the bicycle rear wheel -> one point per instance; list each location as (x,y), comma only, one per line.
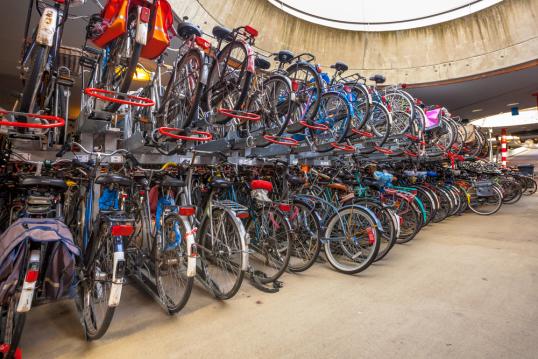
(221,253)
(270,244)
(173,284)
(97,314)
(484,205)
(351,241)
(11,326)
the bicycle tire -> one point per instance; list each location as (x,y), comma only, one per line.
(268,251)
(312,228)
(174,93)
(164,265)
(207,253)
(331,250)
(94,331)
(31,84)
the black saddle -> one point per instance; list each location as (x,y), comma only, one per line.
(262,63)
(172,182)
(296,180)
(186,29)
(221,33)
(284,56)
(44,182)
(340,66)
(220,183)
(378,79)
(111,178)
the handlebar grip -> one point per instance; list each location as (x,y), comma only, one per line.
(63,150)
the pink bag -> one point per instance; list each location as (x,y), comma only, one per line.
(433,118)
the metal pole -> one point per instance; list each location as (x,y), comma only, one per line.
(490,131)
(504,149)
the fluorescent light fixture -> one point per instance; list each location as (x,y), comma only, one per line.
(477,110)
(513,104)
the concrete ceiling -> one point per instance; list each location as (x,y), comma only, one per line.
(490,92)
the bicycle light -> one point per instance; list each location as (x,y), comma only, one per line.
(252,31)
(187,211)
(122,230)
(203,43)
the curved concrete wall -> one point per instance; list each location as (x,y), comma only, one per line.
(500,36)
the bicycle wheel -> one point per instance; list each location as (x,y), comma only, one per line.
(97,314)
(221,253)
(388,232)
(270,244)
(305,78)
(273,103)
(531,186)
(410,221)
(11,326)
(306,243)
(36,63)
(179,104)
(334,112)
(378,126)
(484,205)
(444,206)
(229,81)
(351,241)
(173,284)
(121,62)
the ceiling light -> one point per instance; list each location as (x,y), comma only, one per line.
(513,104)
(477,110)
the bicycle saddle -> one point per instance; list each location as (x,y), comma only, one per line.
(296,180)
(44,182)
(141,180)
(221,33)
(220,183)
(371,183)
(340,66)
(112,178)
(261,184)
(172,182)
(378,79)
(262,63)
(284,56)
(338,186)
(186,29)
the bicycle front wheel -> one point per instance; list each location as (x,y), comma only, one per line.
(221,253)
(306,244)
(351,240)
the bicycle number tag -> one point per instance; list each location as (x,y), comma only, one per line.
(142,25)
(47,27)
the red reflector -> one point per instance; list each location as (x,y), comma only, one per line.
(242,215)
(31,276)
(404,86)
(122,230)
(294,85)
(252,31)
(384,99)
(347,89)
(187,211)
(401,220)
(144,14)
(371,236)
(284,207)
(203,43)
(141,193)
(318,69)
